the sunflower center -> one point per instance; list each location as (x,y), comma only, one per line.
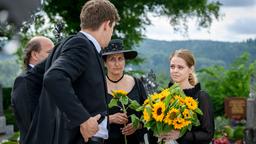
(159,111)
(173,115)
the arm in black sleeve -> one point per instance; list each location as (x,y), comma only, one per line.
(59,78)
(205,132)
(143,93)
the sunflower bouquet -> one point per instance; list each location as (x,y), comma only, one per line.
(170,110)
(121,100)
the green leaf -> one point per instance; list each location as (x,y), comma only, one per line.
(113,103)
(183,107)
(198,111)
(135,121)
(166,128)
(124,100)
(134,105)
(183,131)
(141,108)
(159,128)
(197,122)
(167,100)
(190,127)
(174,103)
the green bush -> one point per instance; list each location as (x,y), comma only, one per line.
(221,82)
(224,128)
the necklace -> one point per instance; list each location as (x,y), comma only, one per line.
(115,81)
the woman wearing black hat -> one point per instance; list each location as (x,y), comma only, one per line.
(115,57)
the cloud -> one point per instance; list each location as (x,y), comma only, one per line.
(236,3)
(244,26)
(237,24)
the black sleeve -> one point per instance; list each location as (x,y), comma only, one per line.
(142,91)
(21,104)
(204,133)
(64,71)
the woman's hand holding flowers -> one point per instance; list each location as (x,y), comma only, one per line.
(118,118)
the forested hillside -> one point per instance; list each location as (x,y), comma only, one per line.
(156,53)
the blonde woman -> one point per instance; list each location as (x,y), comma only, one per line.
(182,71)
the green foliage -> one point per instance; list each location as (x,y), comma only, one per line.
(223,128)
(39,26)
(221,82)
(13,139)
(134,15)
(208,53)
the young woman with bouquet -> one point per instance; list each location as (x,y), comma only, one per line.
(182,72)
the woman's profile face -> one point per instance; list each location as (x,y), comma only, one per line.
(179,71)
(115,63)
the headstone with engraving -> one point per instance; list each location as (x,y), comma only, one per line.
(2,117)
(235,108)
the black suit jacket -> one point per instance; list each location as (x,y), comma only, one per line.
(24,98)
(74,89)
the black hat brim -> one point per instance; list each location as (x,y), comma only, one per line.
(128,54)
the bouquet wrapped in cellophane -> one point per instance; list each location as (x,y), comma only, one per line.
(170,110)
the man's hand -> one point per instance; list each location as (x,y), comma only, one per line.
(118,118)
(90,127)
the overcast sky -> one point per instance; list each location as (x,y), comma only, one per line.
(237,24)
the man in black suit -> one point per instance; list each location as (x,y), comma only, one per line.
(27,88)
(72,107)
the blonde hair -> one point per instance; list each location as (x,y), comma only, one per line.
(189,58)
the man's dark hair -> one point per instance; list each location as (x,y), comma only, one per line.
(95,12)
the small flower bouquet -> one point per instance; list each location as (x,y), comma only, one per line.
(170,110)
(121,100)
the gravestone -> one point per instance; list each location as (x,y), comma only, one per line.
(250,132)
(235,108)
(2,117)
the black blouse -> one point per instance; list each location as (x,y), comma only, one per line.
(115,135)
(203,133)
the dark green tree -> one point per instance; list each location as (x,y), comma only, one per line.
(134,15)
(223,82)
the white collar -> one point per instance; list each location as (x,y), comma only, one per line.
(93,40)
(31,65)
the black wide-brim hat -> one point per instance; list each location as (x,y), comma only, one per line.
(116,46)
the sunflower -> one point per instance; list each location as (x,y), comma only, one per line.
(171,115)
(165,92)
(181,100)
(155,97)
(187,113)
(158,111)
(187,122)
(146,102)
(119,93)
(179,123)
(162,97)
(146,115)
(191,103)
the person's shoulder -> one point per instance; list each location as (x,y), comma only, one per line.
(129,78)
(203,95)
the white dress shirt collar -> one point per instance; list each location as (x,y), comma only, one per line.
(93,40)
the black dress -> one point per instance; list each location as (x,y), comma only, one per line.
(203,133)
(115,135)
